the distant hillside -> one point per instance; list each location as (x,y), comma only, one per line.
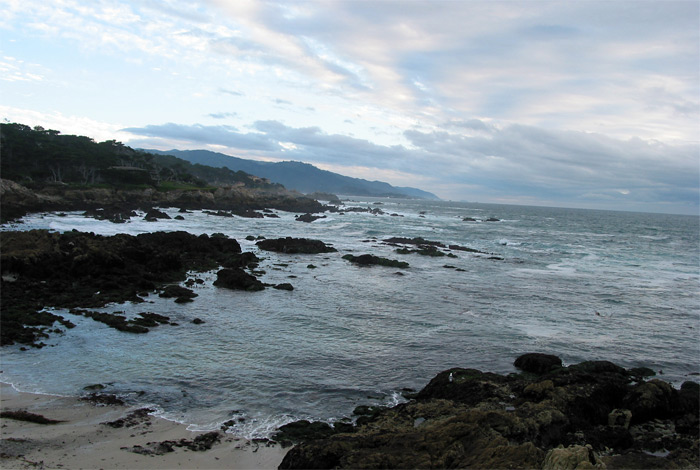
(299,176)
(38,156)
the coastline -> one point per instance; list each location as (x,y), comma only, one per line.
(82,440)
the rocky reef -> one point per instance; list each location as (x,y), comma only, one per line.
(76,269)
(592,415)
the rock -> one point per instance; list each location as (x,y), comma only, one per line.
(284,286)
(23,415)
(154,214)
(620,417)
(295,246)
(248,213)
(469,219)
(537,363)
(177,291)
(492,219)
(539,390)
(465,418)
(309,218)
(652,400)
(72,269)
(198,321)
(641,373)
(236,278)
(103,399)
(369,260)
(302,430)
(572,458)
(321,196)
(114,214)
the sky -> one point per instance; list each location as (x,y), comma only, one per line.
(574,104)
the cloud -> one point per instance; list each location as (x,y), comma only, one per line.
(511,162)
(200,134)
(571,101)
(222,115)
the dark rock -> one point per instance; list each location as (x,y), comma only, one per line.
(198,321)
(284,286)
(641,373)
(652,400)
(219,213)
(492,219)
(321,196)
(113,214)
(309,218)
(369,260)
(464,418)
(154,214)
(23,415)
(200,443)
(236,278)
(179,217)
(103,399)
(177,291)
(295,245)
(302,430)
(537,363)
(469,219)
(132,419)
(74,269)
(248,213)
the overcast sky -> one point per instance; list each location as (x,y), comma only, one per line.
(577,104)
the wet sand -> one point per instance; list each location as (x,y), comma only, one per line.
(82,441)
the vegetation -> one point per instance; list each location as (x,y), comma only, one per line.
(36,157)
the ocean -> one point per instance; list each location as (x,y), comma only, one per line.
(580,284)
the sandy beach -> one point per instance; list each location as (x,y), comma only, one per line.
(81,440)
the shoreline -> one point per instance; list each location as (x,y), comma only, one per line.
(132,441)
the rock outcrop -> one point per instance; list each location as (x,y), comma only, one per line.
(592,415)
(74,269)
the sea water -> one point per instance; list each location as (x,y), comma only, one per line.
(581,284)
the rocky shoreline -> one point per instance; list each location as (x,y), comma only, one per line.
(83,270)
(592,415)
(117,204)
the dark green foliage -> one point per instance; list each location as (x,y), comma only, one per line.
(36,157)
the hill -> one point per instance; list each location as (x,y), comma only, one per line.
(302,177)
(43,170)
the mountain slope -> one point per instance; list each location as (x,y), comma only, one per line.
(302,177)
